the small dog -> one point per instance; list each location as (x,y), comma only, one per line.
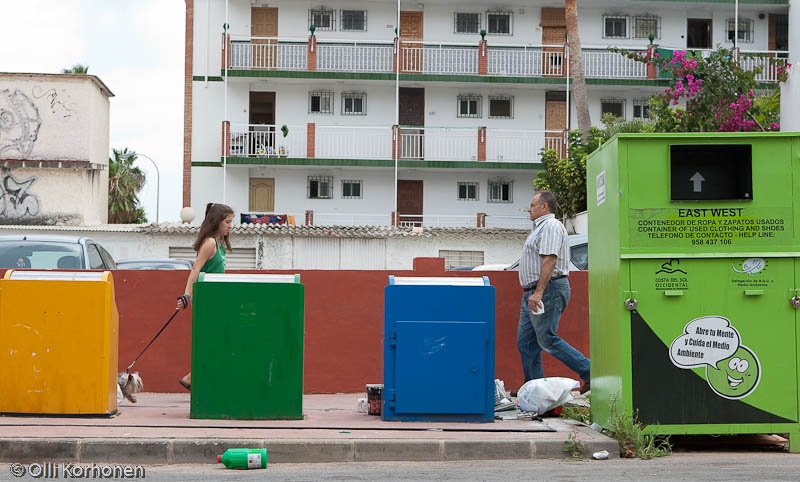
(130,383)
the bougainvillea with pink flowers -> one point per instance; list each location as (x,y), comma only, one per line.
(713,92)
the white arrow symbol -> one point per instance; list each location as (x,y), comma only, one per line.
(697,179)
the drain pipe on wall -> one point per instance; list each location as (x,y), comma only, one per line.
(569,114)
(225,28)
(208,38)
(397,108)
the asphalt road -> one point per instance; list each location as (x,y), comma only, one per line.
(696,466)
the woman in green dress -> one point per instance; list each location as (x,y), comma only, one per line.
(211,244)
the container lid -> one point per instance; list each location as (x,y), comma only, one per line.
(248,278)
(57,275)
(439,280)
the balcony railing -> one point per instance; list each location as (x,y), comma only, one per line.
(320,218)
(526,60)
(354,57)
(437,58)
(602,64)
(269,54)
(517,145)
(432,58)
(264,140)
(769,61)
(376,143)
(361,142)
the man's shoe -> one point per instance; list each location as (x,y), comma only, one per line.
(585,388)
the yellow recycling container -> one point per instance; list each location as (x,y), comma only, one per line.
(58,343)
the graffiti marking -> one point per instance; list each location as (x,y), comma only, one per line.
(55,104)
(19,123)
(15,199)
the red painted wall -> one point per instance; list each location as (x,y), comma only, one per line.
(343,325)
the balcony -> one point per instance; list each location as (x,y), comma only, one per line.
(436,58)
(321,218)
(381,143)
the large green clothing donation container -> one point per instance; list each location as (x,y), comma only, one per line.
(247,347)
(694,282)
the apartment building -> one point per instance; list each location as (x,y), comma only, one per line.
(431,113)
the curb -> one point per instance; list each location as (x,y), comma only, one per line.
(200,451)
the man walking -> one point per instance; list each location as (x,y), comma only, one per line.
(543,271)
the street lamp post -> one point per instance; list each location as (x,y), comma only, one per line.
(127,155)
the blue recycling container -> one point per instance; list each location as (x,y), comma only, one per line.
(438,355)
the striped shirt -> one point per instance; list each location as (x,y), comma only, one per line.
(548,237)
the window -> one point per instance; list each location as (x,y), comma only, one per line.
(645,26)
(641,109)
(95,260)
(498,23)
(239,258)
(320,187)
(461,259)
(469,106)
(351,189)
(613,106)
(615,26)
(354,103)
(320,102)
(745,30)
(467,191)
(108,260)
(468,22)
(322,19)
(354,20)
(501,107)
(500,190)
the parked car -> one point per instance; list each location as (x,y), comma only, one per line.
(578,257)
(154,263)
(44,251)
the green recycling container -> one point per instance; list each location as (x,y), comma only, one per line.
(694,284)
(247,347)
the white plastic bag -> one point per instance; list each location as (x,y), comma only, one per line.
(544,394)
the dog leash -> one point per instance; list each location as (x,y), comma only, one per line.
(154,339)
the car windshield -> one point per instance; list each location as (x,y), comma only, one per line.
(580,256)
(39,255)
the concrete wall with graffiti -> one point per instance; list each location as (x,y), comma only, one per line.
(53,149)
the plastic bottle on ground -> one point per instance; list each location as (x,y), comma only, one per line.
(244,458)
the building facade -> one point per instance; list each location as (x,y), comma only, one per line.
(419,113)
(53,149)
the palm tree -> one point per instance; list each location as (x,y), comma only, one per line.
(76,69)
(124,183)
(576,69)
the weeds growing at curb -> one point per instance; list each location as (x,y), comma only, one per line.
(579,413)
(573,446)
(634,439)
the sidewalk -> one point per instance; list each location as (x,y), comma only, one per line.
(158,430)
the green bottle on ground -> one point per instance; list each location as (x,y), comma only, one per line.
(244,458)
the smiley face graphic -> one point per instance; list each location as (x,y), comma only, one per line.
(736,376)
